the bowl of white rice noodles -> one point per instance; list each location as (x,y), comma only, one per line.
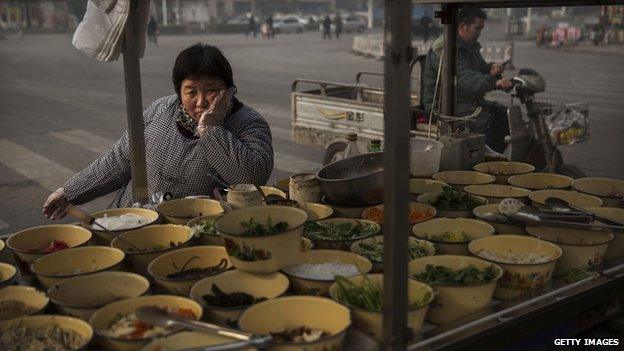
(119,220)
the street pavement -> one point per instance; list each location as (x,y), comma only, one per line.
(60,109)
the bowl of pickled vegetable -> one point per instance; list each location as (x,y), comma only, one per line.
(495,193)
(583,249)
(204,230)
(538,198)
(459,179)
(502,170)
(30,244)
(180,211)
(8,274)
(609,190)
(143,245)
(50,332)
(417,213)
(177,271)
(299,322)
(363,295)
(452,203)
(225,296)
(118,328)
(339,233)
(119,220)
(451,236)
(500,227)
(462,284)
(317,269)
(262,239)
(527,262)
(21,301)
(540,181)
(372,249)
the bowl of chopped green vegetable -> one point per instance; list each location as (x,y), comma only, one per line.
(263,239)
(527,262)
(538,198)
(452,235)
(177,271)
(225,296)
(143,245)
(540,181)
(363,295)
(317,269)
(459,179)
(372,248)
(609,190)
(180,211)
(339,233)
(581,248)
(495,193)
(452,203)
(502,170)
(500,227)
(616,247)
(204,230)
(462,284)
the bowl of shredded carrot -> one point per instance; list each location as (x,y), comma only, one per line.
(417,213)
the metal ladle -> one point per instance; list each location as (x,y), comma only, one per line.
(562,206)
(532,220)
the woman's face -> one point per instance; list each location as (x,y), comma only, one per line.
(198,93)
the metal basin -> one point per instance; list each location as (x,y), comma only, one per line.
(354,181)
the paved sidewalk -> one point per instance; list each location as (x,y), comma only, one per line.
(608,50)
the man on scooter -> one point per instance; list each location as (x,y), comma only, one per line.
(475,78)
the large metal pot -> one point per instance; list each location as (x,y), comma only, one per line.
(353,181)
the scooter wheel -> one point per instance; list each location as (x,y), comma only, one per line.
(333,152)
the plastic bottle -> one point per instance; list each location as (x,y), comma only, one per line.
(352,148)
(375,145)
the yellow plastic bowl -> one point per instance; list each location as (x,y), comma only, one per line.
(454,302)
(616,247)
(430,198)
(316,212)
(540,181)
(420,186)
(56,267)
(66,323)
(206,239)
(430,249)
(609,190)
(8,274)
(518,278)
(572,197)
(282,184)
(188,340)
(296,311)
(268,286)
(414,207)
(344,245)
(31,297)
(180,211)
(370,322)
(320,287)
(156,239)
(581,248)
(263,254)
(81,296)
(472,228)
(495,193)
(104,317)
(191,257)
(104,238)
(459,179)
(502,170)
(501,228)
(40,237)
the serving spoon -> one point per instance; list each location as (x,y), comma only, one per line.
(531,220)
(561,205)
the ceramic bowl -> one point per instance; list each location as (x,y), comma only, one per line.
(428,246)
(472,228)
(453,302)
(143,245)
(209,238)
(282,184)
(320,287)
(81,296)
(420,186)
(343,244)
(188,340)
(417,213)
(540,181)
(65,323)
(609,190)
(180,211)
(616,247)
(495,193)
(56,267)
(8,274)
(518,278)
(103,237)
(501,228)
(29,244)
(431,198)
(370,321)
(581,248)
(316,212)
(502,170)
(538,198)
(267,253)
(187,258)
(287,313)
(35,299)
(269,190)
(267,286)
(459,179)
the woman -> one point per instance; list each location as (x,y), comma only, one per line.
(200,138)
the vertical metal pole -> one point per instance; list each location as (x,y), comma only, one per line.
(449,67)
(134,103)
(164,11)
(371,11)
(398,53)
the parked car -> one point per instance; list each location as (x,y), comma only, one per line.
(288,25)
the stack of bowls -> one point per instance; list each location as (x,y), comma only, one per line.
(471,228)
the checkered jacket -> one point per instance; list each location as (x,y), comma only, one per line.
(238,152)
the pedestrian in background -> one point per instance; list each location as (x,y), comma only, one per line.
(326,27)
(252,27)
(425,24)
(152,30)
(338,23)
(269,24)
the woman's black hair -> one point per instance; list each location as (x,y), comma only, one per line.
(201,60)
(468,16)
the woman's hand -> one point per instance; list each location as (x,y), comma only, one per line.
(216,112)
(55,206)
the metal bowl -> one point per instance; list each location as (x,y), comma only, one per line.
(354,181)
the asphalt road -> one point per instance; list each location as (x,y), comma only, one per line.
(60,109)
